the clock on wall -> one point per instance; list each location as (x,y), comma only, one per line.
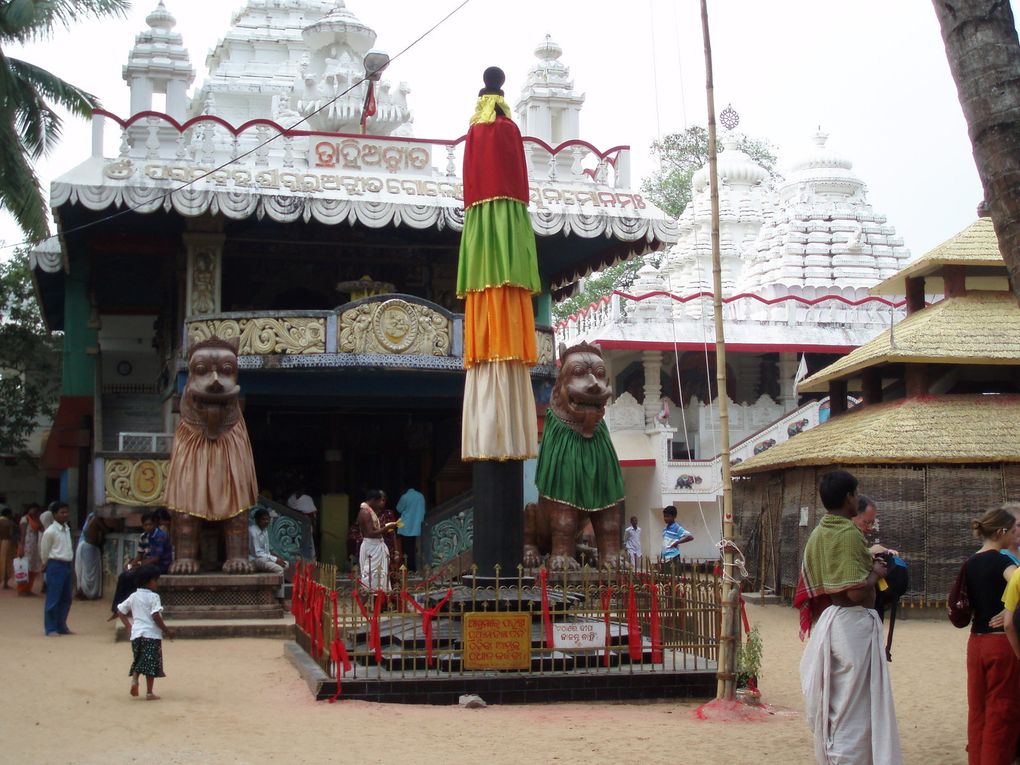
(124,368)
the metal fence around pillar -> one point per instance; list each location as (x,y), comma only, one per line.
(646,620)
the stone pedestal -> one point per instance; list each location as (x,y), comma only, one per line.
(221,596)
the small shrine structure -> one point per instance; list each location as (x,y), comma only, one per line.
(798,257)
(935,441)
(256,207)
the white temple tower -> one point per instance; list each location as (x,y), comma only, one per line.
(825,237)
(549,108)
(743,207)
(159,63)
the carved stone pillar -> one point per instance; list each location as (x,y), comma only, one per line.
(652,361)
(205,272)
(787,372)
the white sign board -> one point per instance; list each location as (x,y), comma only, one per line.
(579,635)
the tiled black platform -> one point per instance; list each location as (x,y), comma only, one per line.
(509,687)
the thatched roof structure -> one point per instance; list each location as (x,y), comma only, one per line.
(978,328)
(975,247)
(961,429)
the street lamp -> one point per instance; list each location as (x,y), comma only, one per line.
(375,62)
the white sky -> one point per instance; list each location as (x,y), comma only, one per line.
(872,73)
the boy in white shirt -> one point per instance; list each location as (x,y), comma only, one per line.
(147,630)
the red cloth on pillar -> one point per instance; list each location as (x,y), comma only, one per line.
(494,165)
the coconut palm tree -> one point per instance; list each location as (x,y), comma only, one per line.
(29,124)
(984,58)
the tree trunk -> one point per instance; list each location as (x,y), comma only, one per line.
(984,58)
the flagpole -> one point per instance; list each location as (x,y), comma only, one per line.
(725,671)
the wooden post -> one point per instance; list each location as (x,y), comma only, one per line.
(955,281)
(837,397)
(871,386)
(726,682)
(915,294)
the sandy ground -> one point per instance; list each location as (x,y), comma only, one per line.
(239,701)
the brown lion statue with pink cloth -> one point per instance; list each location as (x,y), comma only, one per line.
(212,471)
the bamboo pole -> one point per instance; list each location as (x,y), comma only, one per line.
(726,680)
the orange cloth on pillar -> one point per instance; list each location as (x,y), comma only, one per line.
(499,325)
(214,480)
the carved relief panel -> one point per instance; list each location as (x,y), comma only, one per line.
(394,327)
(205,256)
(135,482)
(261,336)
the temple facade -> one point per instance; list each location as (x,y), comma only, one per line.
(798,255)
(266,204)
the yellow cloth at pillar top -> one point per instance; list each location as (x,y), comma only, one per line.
(485,109)
(499,325)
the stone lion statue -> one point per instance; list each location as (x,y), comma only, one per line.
(578,471)
(212,471)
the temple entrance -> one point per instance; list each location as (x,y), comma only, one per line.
(336,453)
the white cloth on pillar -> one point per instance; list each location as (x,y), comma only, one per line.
(374,562)
(500,420)
(848,699)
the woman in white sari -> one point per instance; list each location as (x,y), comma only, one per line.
(88,559)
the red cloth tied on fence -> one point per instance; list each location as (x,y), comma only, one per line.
(654,627)
(543,577)
(337,649)
(295,594)
(607,599)
(318,632)
(633,626)
(374,638)
(427,614)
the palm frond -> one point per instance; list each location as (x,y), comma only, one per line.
(20,193)
(26,20)
(51,87)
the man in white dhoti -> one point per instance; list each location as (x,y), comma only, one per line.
(374,555)
(843,673)
(88,558)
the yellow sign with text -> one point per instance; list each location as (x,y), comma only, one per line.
(497,641)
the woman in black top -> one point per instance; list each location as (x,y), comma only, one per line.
(993,673)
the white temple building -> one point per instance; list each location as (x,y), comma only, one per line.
(259,200)
(798,259)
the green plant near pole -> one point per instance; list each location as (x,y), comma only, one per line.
(749,655)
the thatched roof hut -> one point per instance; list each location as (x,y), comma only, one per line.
(936,440)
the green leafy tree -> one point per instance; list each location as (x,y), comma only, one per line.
(680,155)
(29,123)
(29,358)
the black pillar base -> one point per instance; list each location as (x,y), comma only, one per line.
(499,516)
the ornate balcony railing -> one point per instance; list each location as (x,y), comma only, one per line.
(400,331)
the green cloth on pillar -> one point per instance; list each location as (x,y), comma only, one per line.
(578,471)
(497,248)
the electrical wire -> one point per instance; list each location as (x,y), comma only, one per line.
(233,160)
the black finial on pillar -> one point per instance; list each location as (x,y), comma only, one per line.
(494,79)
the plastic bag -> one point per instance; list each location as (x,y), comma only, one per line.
(20,570)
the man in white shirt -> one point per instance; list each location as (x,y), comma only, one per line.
(57,555)
(632,541)
(259,553)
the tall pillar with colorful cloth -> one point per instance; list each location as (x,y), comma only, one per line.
(497,276)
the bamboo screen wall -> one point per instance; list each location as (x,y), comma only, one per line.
(924,512)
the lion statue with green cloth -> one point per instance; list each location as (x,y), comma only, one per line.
(578,471)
